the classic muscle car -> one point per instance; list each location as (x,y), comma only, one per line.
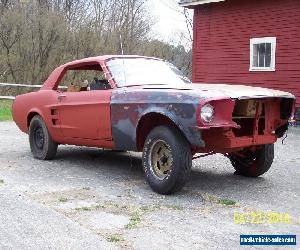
(143,104)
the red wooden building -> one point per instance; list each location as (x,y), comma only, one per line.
(251,42)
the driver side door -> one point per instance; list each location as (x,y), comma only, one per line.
(85,115)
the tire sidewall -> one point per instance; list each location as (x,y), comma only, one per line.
(36,123)
(159,185)
(265,157)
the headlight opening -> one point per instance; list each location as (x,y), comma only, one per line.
(207,113)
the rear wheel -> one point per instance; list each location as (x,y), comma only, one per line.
(253,164)
(41,143)
(167,160)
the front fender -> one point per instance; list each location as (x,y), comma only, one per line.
(183,116)
(125,118)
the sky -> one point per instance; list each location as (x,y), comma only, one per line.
(169,22)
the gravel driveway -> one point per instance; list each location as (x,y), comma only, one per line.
(96,199)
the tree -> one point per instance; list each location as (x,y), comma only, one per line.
(38,35)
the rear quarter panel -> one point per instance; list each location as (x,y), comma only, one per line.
(39,102)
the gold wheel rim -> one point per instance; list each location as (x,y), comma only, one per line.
(161,159)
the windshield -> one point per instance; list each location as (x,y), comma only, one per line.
(143,71)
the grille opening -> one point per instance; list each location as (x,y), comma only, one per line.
(261,126)
(244,115)
(286,108)
(246,127)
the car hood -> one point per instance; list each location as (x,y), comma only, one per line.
(232,91)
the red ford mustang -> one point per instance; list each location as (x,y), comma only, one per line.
(145,104)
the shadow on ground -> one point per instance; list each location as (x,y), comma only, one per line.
(127,165)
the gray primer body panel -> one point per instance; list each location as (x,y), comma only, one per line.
(128,105)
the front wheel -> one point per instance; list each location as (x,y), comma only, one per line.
(41,143)
(253,164)
(167,160)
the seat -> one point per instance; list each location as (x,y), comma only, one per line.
(73,88)
(100,85)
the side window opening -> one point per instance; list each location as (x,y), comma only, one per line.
(86,78)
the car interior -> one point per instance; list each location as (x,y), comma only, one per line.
(87,78)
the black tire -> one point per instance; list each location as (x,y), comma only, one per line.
(41,144)
(179,160)
(254,164)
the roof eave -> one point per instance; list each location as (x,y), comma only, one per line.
(195,3)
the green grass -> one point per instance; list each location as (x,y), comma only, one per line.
(227,202)
(134,220)
(5,110)
(115,238)
(224,202)
(84,208)
(88,209)
(1,181)
(63,199)
(175,207)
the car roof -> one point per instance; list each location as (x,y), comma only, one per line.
(56,74)
(103,58)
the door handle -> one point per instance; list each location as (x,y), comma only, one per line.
(61,96)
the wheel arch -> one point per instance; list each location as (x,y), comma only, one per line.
(149,121)
(30,115)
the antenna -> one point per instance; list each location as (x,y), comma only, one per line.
(121,42)
(122,51)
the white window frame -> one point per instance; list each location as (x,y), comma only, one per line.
(271,40)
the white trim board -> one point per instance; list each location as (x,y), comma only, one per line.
(189,4)
(273,42)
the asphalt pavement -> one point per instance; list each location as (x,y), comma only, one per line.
(90,198)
